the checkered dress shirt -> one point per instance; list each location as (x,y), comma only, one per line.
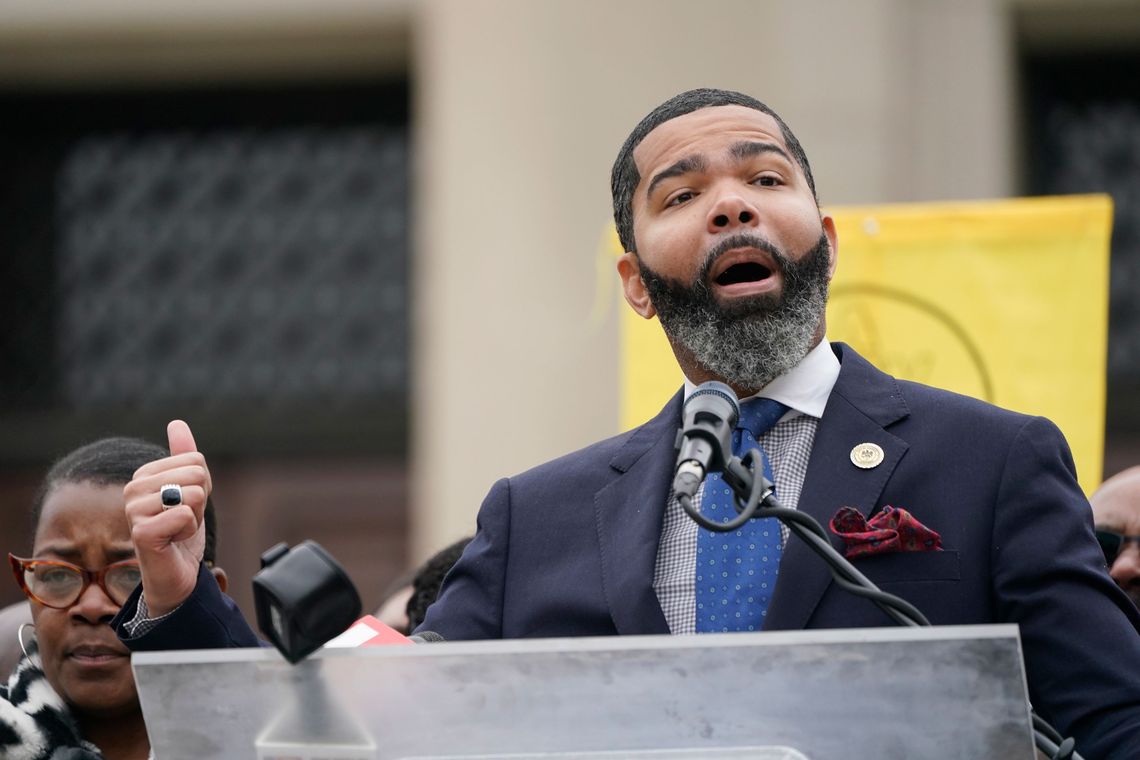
(788,446)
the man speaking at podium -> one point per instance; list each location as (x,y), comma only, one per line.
(725,243)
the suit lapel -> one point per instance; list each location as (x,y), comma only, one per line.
(863,402)
(629,513)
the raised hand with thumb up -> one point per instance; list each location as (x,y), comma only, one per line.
(169,534)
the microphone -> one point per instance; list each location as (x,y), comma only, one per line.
(303,598)
(425,637)
(704,442)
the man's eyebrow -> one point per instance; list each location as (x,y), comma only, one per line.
(694,163)
(749,148)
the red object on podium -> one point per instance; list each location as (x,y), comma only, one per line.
(368,632)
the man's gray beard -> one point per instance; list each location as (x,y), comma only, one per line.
(754,341)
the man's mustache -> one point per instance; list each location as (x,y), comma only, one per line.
(734,242)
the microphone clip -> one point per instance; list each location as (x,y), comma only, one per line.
(701,443)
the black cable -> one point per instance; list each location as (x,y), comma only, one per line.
(759,501)
(1046,729)
(1066,750)
(754,497)
(744,515)
(1049,741)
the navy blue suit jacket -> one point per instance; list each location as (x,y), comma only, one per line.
(569,548)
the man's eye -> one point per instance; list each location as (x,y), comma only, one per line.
(680,198)
(766,180)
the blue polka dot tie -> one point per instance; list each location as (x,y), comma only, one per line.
(736,571)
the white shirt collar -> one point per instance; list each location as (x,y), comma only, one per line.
(804,388)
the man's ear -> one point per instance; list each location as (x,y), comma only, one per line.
(636,294)
(833,240)
(221,577)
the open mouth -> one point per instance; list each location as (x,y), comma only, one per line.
(745,272)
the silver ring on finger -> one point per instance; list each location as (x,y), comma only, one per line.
(171,494)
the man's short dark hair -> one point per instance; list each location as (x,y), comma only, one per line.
(112,462)
(625,177)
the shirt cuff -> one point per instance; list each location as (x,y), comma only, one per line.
(140,624)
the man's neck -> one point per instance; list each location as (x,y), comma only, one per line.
(697,373)
(805,388)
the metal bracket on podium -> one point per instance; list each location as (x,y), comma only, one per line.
(943,692)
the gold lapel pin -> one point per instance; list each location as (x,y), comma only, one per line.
(867,455)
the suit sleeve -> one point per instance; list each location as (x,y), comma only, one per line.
(470,602)
(1079,632)
(208,619)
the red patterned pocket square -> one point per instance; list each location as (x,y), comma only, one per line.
(891,530)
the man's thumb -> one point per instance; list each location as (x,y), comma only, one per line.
(180,438)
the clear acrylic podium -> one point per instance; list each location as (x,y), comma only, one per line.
(947,692)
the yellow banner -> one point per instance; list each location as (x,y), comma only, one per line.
(1006,301)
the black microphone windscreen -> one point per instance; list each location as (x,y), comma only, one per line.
(426,637)
(719,396)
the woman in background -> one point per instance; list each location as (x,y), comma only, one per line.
(74,689)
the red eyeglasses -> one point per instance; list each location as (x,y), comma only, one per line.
(59,585)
